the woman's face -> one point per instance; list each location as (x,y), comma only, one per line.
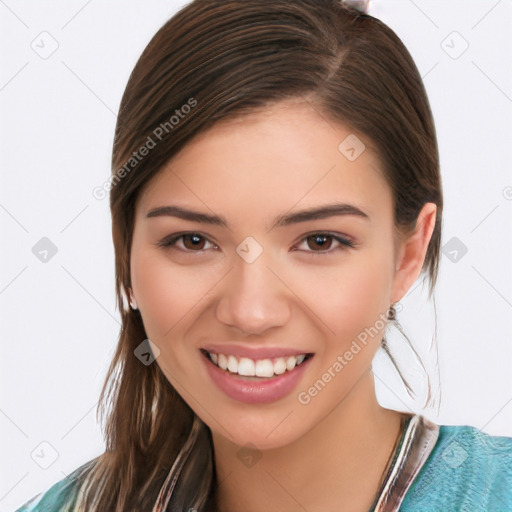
(266,239)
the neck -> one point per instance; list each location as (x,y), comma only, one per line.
(338,465)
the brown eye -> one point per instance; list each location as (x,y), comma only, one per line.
(187,242)
(193,242)
(319,242)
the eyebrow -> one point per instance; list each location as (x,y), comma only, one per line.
(322,212)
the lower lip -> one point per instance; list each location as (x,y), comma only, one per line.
(255,391)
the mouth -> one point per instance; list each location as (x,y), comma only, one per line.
(256,369)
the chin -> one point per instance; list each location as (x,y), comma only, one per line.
(260,430)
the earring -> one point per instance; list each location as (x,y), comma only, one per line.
(392,312)
(133,302)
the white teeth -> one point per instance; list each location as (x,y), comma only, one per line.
(290,363)
(246,367)
(232,364)
(264,368)
(280,366)
(223,362)
(260,368)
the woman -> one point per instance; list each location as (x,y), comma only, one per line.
(275,193)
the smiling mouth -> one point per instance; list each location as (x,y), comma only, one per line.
(256,369)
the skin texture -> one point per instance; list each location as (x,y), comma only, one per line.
(330,452)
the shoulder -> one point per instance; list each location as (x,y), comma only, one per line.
(466,470)
(59,496)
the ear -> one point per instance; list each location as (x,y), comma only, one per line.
(411,252)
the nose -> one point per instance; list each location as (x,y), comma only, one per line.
(253,299)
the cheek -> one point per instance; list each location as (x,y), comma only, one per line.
(348,297)
(167,296)
(165,292)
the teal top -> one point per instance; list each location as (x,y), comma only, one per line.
(466,471)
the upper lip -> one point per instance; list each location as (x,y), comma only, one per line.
(251,352)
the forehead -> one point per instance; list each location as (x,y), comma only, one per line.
(275,158)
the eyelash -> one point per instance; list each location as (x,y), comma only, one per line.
(170,242)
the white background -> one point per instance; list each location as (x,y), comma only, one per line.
(59,324)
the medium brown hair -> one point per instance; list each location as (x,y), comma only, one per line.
(232,58)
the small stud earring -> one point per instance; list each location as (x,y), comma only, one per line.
(392,312)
